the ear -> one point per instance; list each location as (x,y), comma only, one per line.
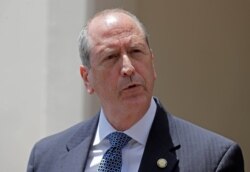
(85,74)
(153,58)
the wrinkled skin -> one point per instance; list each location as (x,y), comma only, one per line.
(122,73)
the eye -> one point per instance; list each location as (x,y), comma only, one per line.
(111,56)
(136,51)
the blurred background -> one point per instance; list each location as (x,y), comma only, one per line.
(202,50)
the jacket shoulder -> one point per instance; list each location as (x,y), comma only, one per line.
(64,136)
(205,150)
(45,152)
(189,131)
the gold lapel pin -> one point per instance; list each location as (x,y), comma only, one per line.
(162,163)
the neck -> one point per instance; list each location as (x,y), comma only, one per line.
(122,120)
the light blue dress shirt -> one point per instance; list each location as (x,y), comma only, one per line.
(132,152)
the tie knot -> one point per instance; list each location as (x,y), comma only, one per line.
(118,139)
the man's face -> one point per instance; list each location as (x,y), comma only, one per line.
(122,72)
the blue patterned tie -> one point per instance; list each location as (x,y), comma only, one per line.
(112,159)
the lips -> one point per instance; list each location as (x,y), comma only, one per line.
(130,86)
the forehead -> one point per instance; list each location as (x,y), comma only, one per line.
(112,26)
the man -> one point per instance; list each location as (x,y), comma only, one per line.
(118,67)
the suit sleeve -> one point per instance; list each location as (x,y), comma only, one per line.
(232,160)
(30,167)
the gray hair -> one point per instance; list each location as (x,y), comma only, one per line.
(84,40)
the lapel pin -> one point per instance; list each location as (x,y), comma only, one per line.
(162,163)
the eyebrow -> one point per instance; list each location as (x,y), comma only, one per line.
(106,49)
(111,46)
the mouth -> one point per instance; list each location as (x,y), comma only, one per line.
(132,89)
(131,86)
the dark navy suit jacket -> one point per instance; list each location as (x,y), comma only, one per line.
(185,146)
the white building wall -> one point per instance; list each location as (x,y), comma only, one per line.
(40,90)
(23,38)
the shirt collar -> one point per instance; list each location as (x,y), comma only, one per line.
(138,132)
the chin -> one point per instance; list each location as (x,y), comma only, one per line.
(137,100)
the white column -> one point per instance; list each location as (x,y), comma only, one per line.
(23,33)
(64,96)
(40,90)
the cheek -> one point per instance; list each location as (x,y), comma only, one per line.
(105,80)
(146,70)
(154,72)
(151,70)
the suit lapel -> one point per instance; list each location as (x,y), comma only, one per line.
(78,148)
(160,144)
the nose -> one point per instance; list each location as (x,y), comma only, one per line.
(127,66)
